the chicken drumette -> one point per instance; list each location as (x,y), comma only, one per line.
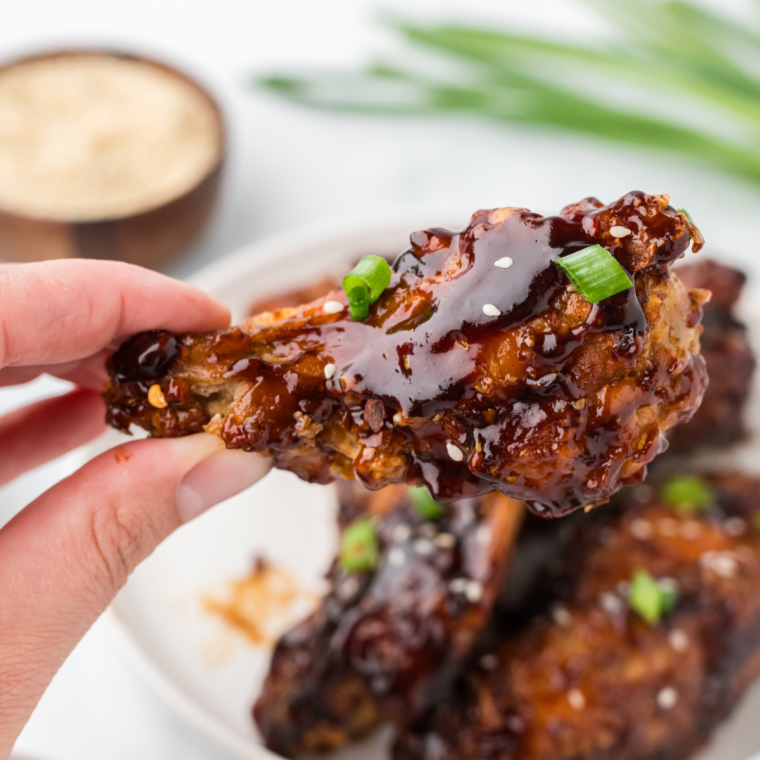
(590,679)
(479,368)
(729,359)
(384,643)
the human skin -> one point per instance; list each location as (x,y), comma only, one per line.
(64,557)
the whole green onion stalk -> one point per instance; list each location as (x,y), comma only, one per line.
(673,51)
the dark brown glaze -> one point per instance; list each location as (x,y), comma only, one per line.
(383,645)
(730,361)
(557,401)
(589,679)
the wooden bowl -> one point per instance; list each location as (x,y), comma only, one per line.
(148,236)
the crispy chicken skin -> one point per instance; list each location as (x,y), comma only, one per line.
(729,358)
(383,644)
(593,680)
(557,401)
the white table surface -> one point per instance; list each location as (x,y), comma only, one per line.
(289,167)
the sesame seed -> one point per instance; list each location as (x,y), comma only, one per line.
(445,541)
(610,603)
(348,587)
(402,532)
(428,530)
(483,535)
(396,557)
(561,616)
(641,529)
(576,699)
(619,231)
(467,516)
(458,585)
(623,587)
(455,452)
(474,591)
(489,662)
(423,547)
(330,370)
(490,310)
(722,564)
(669,584)
(735,526)
(678,640)
(667,698)
(333,307)
(504,263)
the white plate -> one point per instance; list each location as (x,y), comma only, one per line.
(208,675)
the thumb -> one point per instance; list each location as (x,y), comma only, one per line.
(64,557)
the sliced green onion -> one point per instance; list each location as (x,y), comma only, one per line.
(364,284)
(685,213)
(359,547)
(424,503)
(688,493)
(669,596)
(649,598)
(358,304)
(595,273)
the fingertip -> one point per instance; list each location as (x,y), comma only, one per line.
(189,307)
(218,478)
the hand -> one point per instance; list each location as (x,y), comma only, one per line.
(64,557)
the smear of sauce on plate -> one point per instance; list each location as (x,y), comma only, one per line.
(263,604)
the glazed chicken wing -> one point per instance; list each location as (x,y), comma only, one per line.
(729,359)
(384,643)
(480,367)
(591,679)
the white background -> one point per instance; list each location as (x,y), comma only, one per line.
(289,167)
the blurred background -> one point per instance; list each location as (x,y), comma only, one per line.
(348,108)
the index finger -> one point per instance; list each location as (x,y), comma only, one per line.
(61,311)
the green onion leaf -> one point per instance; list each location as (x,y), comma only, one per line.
(595,273)
(688,493)
(424,503)
(649,598)
(364,284)
(359,547)
(685,213)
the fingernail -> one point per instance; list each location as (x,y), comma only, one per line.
(217,478)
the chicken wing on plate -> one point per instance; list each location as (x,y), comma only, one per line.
(730,361)
(386,640)
(652,637)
